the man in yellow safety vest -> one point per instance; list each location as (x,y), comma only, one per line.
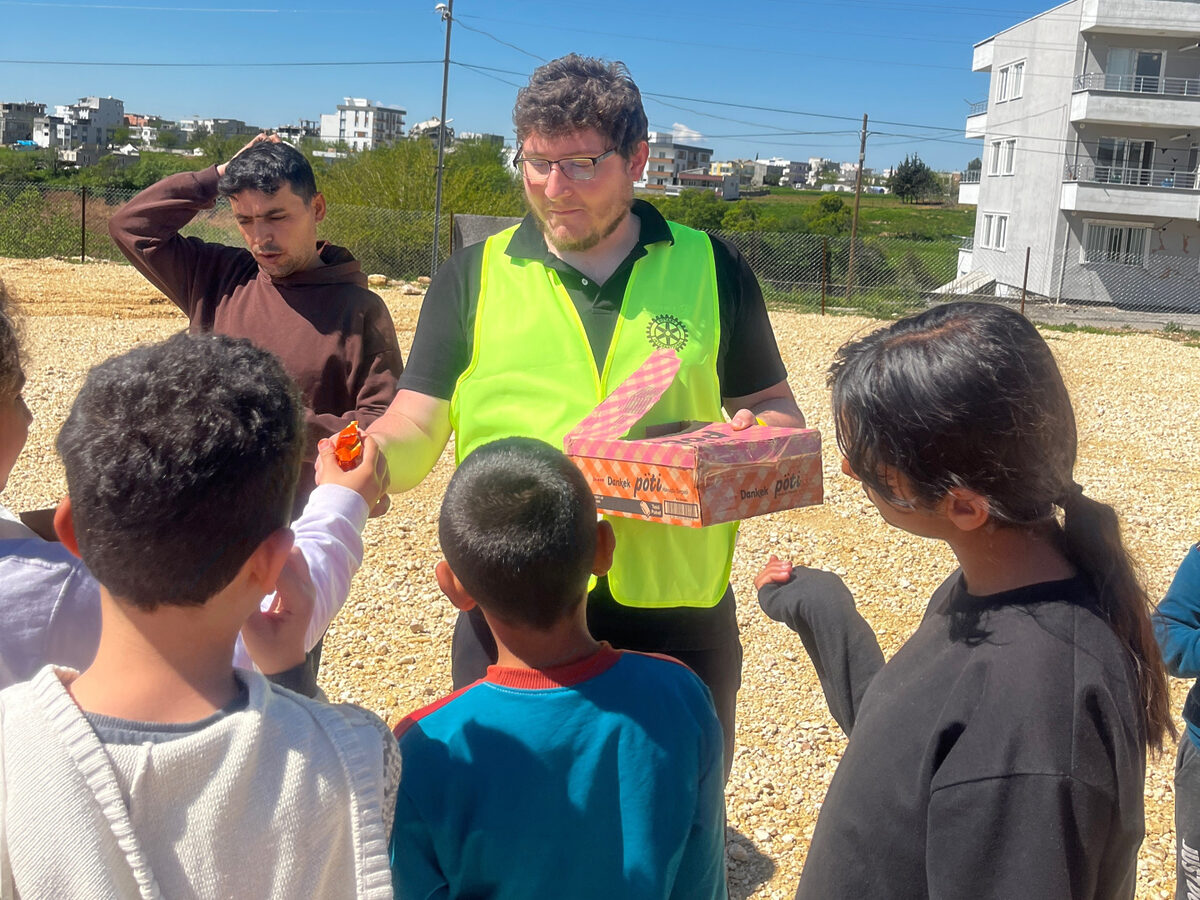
(525,332)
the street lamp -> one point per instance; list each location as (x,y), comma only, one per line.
(446,11)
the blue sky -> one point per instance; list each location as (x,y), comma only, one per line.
(811,70)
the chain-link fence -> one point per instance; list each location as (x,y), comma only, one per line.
(38,221)
(884,277)
(1092,272)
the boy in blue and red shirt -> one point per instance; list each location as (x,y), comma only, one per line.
(1177,627)
(571,769)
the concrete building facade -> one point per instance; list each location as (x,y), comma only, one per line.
(16,121)
(362,124)
(669,158)
(93,120)
(1090,155)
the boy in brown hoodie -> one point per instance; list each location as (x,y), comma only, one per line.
(305,301)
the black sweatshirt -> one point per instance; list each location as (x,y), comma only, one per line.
(997,755)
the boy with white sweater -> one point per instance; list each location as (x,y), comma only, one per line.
(161,770)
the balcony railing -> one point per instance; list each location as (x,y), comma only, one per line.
(1139,84)
(1157,178)
(971,176)
(966,243)
(977,109)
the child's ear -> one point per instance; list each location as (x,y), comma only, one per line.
(452,587)
(966,509)
(269,558)
(64,526)
(606,543)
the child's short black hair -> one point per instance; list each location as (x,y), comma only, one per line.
(266,167)
(518,528)
(181,458)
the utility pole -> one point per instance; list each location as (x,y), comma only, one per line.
(862,154)
(447,12)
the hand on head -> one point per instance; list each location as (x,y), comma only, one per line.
(776,571)
(257,139)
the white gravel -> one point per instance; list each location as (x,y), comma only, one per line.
(389,649)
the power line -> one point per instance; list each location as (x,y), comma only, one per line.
(461,24)
(908,38)
(221,65)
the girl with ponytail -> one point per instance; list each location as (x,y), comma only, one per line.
(1002,750)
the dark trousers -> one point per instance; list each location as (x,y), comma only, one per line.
(1187,819)
(706,641)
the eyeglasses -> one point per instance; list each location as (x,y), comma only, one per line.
(575,168)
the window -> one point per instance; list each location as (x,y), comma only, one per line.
(1003,154)
(1124,161)
(995,231)
(1124,245)
(1012,81)
(1134,70)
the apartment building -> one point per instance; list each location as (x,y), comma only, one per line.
(363,124)
(1090,138)
(669,158)
(93,121)
(16,121)
(741,169)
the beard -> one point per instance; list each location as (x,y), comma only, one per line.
(617,213)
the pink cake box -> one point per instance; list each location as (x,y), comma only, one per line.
(690,473)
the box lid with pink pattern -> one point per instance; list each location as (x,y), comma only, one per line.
(690,473)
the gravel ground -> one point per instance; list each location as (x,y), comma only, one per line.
(389,648)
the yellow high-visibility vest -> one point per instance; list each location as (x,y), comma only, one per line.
(532,374)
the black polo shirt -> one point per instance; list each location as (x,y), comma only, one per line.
(748,358)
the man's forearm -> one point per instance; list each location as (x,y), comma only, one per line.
(146,230)
(780,411)
(775,405)
(412,434)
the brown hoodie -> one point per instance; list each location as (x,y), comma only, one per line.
(334,337)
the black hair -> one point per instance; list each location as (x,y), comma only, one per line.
(181,458)
(518,528)
(574,93)
(969,395)
(267,166)
(10,349)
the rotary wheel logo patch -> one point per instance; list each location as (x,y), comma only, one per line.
(667,331)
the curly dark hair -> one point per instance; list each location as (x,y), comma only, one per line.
(574,93)
(267,166)
(518,528)
(181,458)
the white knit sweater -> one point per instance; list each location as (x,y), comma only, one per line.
(286,798)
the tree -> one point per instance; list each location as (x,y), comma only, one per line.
(913,181)
(218,149)
(742,216)
(694,207)
(975,165)
(828,216)
(120,135)
(168,140)
(196,138)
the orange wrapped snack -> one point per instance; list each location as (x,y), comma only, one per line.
(347,447)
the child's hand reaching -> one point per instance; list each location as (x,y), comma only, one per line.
(776,571)
(275,638)
(819,607)
(369,479)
